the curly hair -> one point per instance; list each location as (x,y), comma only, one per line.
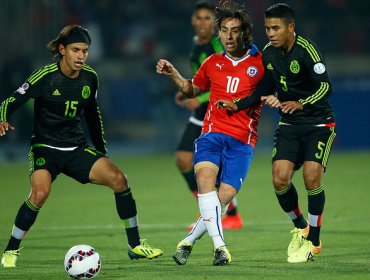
(231,9)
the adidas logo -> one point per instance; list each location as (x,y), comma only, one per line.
(269,67)
(56,93)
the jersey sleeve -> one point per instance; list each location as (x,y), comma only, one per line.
(201,79)
(94,121)
(319,75)
(19,97)
(265,87)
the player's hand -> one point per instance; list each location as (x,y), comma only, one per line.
(4,128)
(226,104)
(180,99)
(271,101)
(165,67)
(290,107)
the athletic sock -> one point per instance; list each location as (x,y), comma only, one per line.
(191,181)
(210,210)
(126,209)
(288,200)
(196,232)
(25,218)
(316,202)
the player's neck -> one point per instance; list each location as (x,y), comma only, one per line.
(68,71)
(289,44)
(202,40)
(239,53)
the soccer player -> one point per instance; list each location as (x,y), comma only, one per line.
(205,44)
(296,70)
(64,93)
(224,150)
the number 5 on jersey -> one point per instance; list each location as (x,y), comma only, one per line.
(71,109)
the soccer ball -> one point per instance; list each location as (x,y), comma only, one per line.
(82,262)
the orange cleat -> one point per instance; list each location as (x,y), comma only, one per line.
(232,222)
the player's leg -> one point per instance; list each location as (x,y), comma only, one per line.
(317,149)
(286,158)
(92,166)
(41,180)
(184,156)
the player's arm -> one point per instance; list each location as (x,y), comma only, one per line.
(263,92)
(11,104)
(322,84)
(184,85)
(95,124)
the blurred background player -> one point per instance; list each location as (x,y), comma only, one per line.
(296,70)
(206,42)
(65,93)
(224,151)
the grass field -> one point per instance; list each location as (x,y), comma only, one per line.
(85,214)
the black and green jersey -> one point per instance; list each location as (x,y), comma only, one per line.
(60,104)
(298,75)
(198,55)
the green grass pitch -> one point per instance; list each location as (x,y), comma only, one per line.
(85,214)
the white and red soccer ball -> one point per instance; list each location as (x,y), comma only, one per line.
(82,262)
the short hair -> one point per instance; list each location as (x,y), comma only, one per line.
(202,4)
(66,33)
(230,9)
(282,11)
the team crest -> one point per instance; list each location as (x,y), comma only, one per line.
(252,71)
(86,92)
(294,66)
(40,161)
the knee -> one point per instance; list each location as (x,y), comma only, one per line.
(280,181)
(39,196)
(119,182)
(182,163)
(311,181)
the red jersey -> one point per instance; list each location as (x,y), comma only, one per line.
(228,79)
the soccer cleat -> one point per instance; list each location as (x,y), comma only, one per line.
(298,235)
(144,250)
(9,258)
(305,253)
(232,222)
(221,256)
(182,253)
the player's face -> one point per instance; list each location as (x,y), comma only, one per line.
(74,57)
(231,36)
(203,22)
(279,33)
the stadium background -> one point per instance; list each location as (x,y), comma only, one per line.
(143,125)
(129,37)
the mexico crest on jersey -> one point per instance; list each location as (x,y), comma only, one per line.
(294,66)
(252,71)
(86,92)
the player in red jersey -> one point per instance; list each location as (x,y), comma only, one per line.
(224,150)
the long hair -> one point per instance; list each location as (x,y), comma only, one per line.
(231,9)
(64,35)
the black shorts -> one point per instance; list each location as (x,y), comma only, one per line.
(76,164)
(191,133)
(303,143)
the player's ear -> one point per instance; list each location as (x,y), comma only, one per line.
(62,49)
(193,20)
(291,27)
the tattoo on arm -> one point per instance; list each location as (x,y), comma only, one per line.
(184,85)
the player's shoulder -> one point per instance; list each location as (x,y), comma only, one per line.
(89,70)
(308,48)
(42,72)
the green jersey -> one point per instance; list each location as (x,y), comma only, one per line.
(60,105)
